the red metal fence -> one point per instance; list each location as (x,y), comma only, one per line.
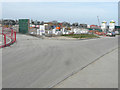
(8,34)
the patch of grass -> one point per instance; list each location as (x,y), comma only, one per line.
(81,36)
(117,34)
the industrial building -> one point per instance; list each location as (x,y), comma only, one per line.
(24,25)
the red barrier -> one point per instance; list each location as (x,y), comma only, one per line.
(4,39)
(15,35)
(11,35)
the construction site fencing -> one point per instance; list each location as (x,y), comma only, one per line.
(8,37)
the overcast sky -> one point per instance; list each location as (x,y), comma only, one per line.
(81,12)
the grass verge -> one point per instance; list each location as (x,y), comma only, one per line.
(81,36)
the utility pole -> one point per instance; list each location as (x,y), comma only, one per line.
(98,20)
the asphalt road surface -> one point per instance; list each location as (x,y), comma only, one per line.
(38,63)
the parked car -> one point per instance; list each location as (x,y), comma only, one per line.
(112,34)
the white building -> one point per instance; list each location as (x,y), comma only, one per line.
(80,31)
(41,30)
(56,32)
(88,26)
(104,26)
(111,25)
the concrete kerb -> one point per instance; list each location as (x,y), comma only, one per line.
(51,38)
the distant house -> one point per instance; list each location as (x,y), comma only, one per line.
(83,25)
(9,22)
(95,27)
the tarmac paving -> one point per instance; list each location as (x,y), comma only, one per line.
(32,62)
(102,73)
